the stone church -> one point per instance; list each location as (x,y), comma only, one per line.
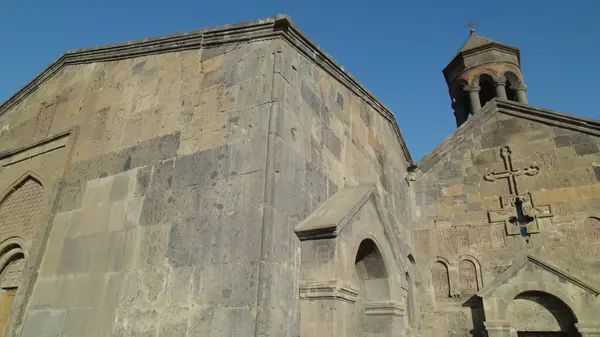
(237,181)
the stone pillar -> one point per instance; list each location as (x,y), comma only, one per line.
(459,112)
(474,98)
(498,329)
(588,330)
(501,88)
(521,94)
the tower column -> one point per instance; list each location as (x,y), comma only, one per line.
(521,94)
(501,88)
(459,112)
(474,98)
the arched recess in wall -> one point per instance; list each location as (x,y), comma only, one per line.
(469,276)
(374,287)
(591,229)
(20,207)
(440,278)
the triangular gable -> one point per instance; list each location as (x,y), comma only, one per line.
(525,111)
(333,215)
(525,259)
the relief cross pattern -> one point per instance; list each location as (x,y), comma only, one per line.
(519,215)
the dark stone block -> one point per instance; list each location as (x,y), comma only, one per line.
(310,97)
(597,172)
(365,114)
(340,100)
(194,241)
(143,180)
(586,148)
(201,168)
(331,142)
(138,67)
(562,141)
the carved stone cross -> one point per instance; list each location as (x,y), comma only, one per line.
(518,213)
(509,172)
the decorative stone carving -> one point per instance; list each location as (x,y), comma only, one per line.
(440,279)
(518,213)
(421,241)
(468,277)
(445,242)
(591,228)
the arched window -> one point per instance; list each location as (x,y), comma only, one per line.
(487,89)
(512,82)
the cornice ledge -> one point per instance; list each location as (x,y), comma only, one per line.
(195,39)
(279,25)
(327,290)
(546,116)
(384,308)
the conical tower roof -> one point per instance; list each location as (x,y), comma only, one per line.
(475,41)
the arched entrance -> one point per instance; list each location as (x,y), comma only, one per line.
(373,290)
(539,314)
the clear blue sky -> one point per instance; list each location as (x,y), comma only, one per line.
(396,48)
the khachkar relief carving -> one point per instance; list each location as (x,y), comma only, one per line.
(468,277)
(440,279)
(518,213)
(591,228)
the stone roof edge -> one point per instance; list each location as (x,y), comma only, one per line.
(279,25)
(537,114)
(499,45)
(311,49)
(453,140)
(522,261)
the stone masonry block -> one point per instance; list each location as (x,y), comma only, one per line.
(221,322)
(200,168)
(76,255)
(44,323)
(179,286)
(193,241)
(240,236)
(173,323)
(153,245)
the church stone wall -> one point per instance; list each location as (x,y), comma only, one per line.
(459,214)
(156,224)
(327,135)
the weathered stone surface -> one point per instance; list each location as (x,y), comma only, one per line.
(164,187)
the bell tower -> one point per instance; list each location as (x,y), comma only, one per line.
(481,70)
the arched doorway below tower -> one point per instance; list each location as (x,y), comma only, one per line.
(539,314)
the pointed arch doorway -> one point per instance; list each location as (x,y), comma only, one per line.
(20,209)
